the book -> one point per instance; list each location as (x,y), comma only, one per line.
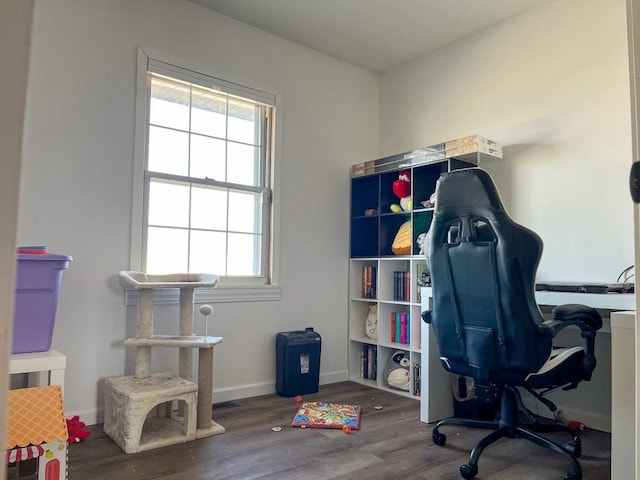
(423,276)
(374,362)
(423,279)
(393,327)
(365,361)
(473,148)
(417,386)
(369,362)
(401,286)
(369,282)
(472,140)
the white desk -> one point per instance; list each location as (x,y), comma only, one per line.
(605,301)
(43,368)
(623,392)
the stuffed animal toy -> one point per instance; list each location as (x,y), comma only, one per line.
(402,189)
(396,373)
(402,242)
(371,322)
(76,430)
(420,241)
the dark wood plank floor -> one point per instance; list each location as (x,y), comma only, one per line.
(391,444)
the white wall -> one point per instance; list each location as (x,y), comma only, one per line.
(553,86)
(76,183)
(15,29)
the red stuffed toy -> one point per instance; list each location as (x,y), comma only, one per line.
(402,189)
(76,429)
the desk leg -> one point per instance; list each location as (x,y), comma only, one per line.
(57,378)
(38,379)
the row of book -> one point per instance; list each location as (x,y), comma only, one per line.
(400,328)
(369,362)
(369,282)
(401,286)
(401,282)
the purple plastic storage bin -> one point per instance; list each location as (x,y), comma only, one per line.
(37,288)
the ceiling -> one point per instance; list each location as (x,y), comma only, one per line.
(374,34)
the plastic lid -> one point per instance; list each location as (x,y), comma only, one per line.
(44,257)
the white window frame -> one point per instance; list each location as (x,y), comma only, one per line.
(234,288)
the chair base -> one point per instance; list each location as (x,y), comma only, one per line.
(509,427)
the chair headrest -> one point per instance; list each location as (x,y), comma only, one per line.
(469,186)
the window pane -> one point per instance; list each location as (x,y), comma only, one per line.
(169,104)
(244,255)
(167,250)
(209,208)
(168,203)
(243,164)
(245,212)
(207,158)
(208,252)
(168,151)
(243,122)
(208,113)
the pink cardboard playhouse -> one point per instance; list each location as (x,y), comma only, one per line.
(36,434)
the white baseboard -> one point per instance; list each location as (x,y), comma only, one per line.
(266,388)
(90,416)
(93,416)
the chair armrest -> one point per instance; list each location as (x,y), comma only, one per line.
(426,316)
(580,313)
(588,320)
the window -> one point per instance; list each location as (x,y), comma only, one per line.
(207,177)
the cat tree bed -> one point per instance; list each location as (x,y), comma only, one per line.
(139,413)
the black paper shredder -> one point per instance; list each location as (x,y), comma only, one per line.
(297,362)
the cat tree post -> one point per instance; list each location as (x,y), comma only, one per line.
(205,387)
(144,330)
(185,362)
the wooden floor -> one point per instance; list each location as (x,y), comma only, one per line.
(391,444)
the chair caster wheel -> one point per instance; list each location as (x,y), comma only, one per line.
(439,438)
(469,471)
(574,447)
(572,476)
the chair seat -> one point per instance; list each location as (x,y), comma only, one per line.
(559,370)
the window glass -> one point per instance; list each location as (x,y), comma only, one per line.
(208,158)
(169,104)
(209,208)
(168,204)
(207,190)
(208,113)
(168,151)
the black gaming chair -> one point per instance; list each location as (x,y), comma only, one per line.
(486,320)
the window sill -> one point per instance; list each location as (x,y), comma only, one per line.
(168,296)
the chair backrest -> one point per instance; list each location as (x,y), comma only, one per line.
(483,268)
